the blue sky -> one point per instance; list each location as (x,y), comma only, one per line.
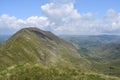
(21,8)
(27,8)
(80,17)
(97,6)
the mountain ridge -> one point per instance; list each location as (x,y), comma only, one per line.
(31,45)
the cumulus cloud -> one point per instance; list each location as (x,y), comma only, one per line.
(64,16)
(61,17)
(10,24)
(60,12)
(111,22)
(68,20)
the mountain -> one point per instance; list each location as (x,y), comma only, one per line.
(32,45)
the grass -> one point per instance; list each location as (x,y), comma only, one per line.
(41,72)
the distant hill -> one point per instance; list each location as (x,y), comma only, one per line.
(92,39)
(3,38)
(102,50)
(1,41)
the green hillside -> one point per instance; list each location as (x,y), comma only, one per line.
(32,45)
(41,72)
(102,51)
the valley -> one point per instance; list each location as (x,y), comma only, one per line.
(102,51)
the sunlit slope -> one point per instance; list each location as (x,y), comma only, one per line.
(32,45)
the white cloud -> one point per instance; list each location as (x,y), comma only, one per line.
(111,14)
(61,17)
(111,22)
(60,11)
(68,20)
(64,16)
(10,24)
(41,22)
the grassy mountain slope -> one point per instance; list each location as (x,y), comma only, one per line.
(32,45)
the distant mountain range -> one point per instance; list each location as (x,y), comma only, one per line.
(3,38)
